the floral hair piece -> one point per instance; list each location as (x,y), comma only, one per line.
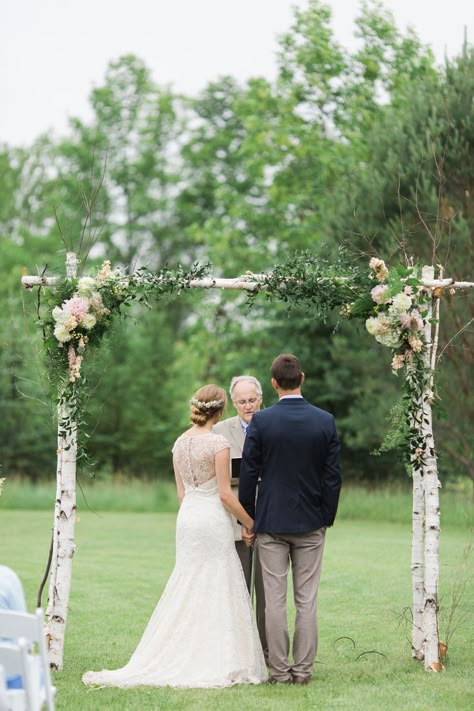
(207,406)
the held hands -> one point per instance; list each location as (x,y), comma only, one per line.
(248,536)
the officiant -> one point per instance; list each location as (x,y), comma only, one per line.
(246,395)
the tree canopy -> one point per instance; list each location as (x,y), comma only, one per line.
(370,149)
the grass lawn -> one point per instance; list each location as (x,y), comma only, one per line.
(124,559)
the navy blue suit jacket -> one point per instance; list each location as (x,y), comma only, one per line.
(290,476)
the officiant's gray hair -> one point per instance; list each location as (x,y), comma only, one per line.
(244,379)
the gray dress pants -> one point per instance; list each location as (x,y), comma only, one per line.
(305,551)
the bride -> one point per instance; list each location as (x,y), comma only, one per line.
(202,632)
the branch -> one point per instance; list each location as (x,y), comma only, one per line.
(250,282)
(434,348)
(455,336)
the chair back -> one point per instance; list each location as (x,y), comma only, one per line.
(3,690)
(15,625)
(15,662)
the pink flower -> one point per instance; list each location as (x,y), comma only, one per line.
(379,293)
(75,362)
(415,343)
(408,290)
(71,356)
(411,321)
(77,307)
(398,361)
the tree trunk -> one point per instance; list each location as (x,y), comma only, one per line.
(432,513)
(64,524)
(432,531)
(417,563)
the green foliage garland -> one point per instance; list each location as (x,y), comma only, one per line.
(395,307)
(79,313)
(393,303)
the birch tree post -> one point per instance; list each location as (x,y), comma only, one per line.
(418,510)
(417,562)
(425,512)
(64,522)
(430,486)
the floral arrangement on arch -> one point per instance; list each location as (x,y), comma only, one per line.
(400,308)
(85,314)
(397,313)
(80,312)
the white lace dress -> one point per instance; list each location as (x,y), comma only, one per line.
(202,632)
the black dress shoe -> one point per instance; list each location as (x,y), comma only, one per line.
(301,680)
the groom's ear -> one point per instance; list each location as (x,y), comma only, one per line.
(302,378)
(274,384)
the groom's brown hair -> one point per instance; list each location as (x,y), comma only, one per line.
(286,369)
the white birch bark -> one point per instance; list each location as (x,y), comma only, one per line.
(417,563)
(432,515)
(418,514)
(432,531)
(64,524)
(247,282)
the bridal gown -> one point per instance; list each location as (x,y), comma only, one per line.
(202,632)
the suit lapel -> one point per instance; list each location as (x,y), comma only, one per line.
(237,434)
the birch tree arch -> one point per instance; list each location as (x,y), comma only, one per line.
(401,309)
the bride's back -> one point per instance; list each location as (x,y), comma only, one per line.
(194,457)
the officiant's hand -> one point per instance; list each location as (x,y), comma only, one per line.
(247,536)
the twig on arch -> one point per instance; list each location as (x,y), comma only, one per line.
(455,336)
(89,202)
(63,239)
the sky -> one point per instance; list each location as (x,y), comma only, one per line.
(54,52)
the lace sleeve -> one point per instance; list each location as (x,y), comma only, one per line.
(220,443)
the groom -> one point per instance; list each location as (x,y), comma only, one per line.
(292,456)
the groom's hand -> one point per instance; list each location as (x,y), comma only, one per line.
(247,536)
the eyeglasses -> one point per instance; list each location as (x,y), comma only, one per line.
(250,401)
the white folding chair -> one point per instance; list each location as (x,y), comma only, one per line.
(14,663)
(3,690)
(14,625)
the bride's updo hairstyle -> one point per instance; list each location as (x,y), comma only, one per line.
(206,402)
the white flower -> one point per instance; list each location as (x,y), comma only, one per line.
(372,325)
(400,303)
(61,333)
(59,315)
(380,294)
(89,321)
(389,338)
(2,481)
(104,273)
(96,301)
(85,286)
(383,330)
(378,324)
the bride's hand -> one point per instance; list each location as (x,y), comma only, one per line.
(247,536)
